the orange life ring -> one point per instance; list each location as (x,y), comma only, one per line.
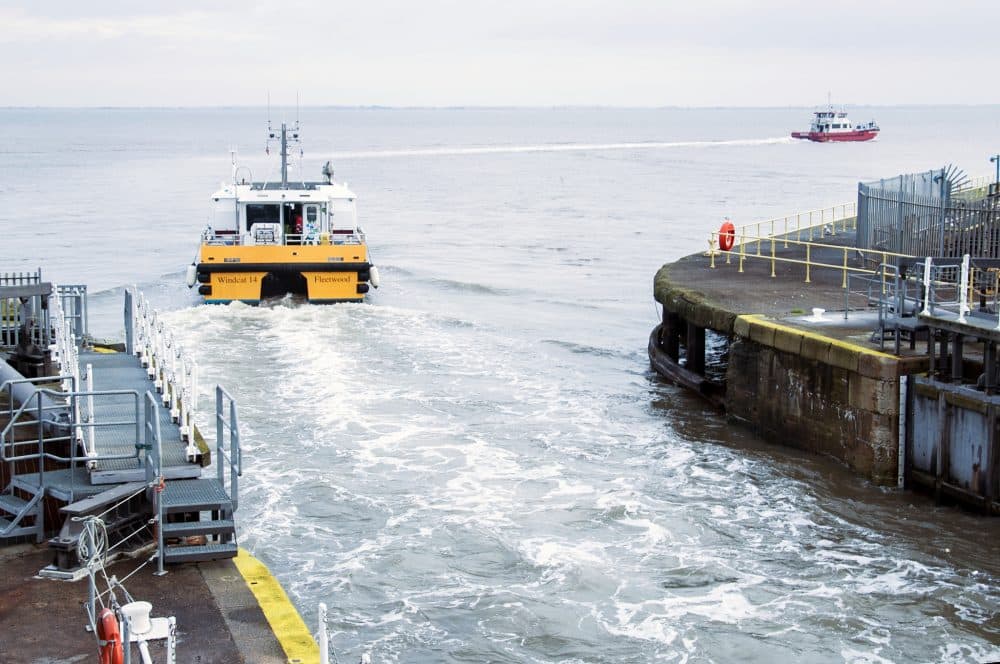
(107,630)
(727,235)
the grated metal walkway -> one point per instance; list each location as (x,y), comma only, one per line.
(120,371)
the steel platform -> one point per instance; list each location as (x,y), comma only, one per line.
(120,371)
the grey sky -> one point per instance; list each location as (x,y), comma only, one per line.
(516,52)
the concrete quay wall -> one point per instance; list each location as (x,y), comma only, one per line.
(793,386)
(815,393)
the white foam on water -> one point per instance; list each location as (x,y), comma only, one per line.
(445,472)
(555,147)
(863,657)
(548,553)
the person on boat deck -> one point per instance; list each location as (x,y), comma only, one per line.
(298,223)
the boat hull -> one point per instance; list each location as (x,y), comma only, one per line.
(323,273)
(836,137)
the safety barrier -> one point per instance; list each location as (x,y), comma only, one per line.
(153,471)
(843,253)
(234,457)
(173,373)
(823,221)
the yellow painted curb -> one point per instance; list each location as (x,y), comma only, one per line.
(105,351)
(759,319)
(285,621)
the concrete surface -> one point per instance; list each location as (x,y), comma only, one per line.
(43,621)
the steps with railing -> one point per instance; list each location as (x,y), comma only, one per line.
(204,529)
(20,517)
(60,438)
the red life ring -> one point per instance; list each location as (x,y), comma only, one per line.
(727,235)
(107,630)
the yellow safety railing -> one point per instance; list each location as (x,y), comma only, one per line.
(740,250)
(829,220)
(754,239)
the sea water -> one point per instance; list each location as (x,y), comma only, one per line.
(477,464)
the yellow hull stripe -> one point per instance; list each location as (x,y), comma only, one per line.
(285,621)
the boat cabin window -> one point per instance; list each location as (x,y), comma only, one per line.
(259,213)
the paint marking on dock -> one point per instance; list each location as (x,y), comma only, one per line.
(285,621)
(759,319)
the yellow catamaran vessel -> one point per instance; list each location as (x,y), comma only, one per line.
(269,239)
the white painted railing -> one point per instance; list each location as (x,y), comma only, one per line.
(173,372)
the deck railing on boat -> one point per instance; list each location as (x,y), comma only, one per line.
(234,239)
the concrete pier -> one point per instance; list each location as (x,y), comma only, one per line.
(124,456)
(822,384)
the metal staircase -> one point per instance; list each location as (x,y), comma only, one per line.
(196,515)
(203,526)
(21,517)
(128,454)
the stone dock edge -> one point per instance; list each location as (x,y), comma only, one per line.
(819,388)
(286,624)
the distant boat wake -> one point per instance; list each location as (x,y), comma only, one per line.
(555,147)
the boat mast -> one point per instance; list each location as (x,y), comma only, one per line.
(285,140)
(284,156)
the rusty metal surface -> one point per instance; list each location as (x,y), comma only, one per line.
(952,438)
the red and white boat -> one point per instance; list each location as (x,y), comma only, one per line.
(834,125)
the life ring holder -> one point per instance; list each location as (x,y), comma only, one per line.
(727,235)
(111,639)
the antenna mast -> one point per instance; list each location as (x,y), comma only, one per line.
(284,139)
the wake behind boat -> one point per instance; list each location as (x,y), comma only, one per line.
(269,239)
(832,125)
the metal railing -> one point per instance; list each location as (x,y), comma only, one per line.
(53,415)
(953,287)
(26,321)
(153,467)
(829,221)
(73,304)
(224,238)
(921,214)
(767,249)
(173,372)
(234,458)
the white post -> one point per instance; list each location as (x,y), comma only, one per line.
(324,649)
(91,434)
(176,389)
(172,641)
(194,387)
(963,293)
(927,286)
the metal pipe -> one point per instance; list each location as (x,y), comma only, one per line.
(324,648)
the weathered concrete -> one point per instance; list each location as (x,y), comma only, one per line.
(819,387)
(218,618)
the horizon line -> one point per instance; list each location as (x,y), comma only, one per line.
(477,107)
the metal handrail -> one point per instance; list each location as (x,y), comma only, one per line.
(216,238)
(15,415)
(13,424)
(235,456)
(153,467)
(740,250)
(818,218)
(71,426)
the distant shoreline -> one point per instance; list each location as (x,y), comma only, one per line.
(560,107)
